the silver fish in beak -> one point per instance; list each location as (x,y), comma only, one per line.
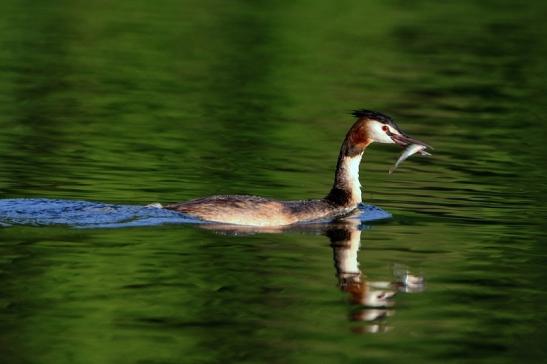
(410,150)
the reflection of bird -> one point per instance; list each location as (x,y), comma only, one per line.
(374,298)
(344,196)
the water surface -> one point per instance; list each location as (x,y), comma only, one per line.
(136,102)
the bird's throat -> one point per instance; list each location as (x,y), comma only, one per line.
(346,182)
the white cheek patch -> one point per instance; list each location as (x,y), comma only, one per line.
(378,134)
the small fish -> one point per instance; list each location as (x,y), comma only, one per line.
(410,150)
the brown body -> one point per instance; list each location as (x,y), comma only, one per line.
(343,198)
(258,211)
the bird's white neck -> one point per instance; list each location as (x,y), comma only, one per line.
(347,188)
(349,176)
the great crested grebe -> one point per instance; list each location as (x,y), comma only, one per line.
(343,198)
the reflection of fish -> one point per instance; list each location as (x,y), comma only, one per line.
(410,150)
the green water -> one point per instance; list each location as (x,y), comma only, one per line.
(137,101)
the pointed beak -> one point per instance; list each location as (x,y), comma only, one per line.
(404,140)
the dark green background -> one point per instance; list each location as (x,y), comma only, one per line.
(142,101)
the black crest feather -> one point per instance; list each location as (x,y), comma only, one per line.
(374,115)
(369,114)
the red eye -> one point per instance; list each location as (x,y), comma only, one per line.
(385,128)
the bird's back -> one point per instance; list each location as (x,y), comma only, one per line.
(254,210)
